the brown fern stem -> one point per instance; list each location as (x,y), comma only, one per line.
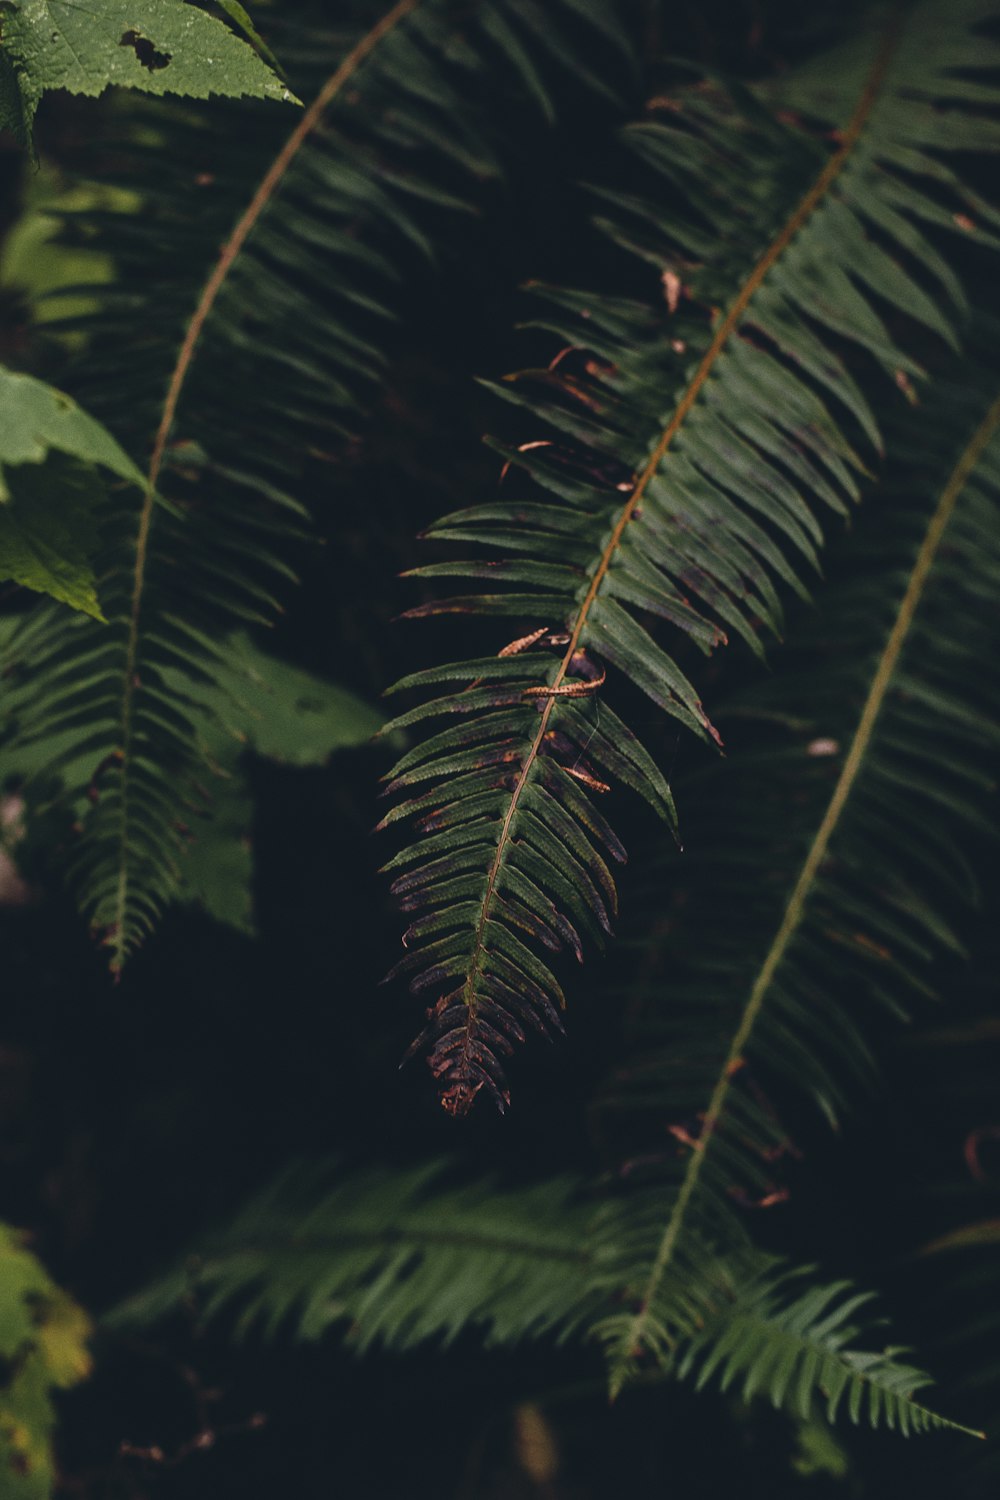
(795,909)
(228,256)
(720,339)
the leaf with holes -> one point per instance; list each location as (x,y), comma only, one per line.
(157,46)
(263,347)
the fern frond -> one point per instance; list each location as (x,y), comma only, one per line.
(240,389)
(791,1346)
(866,904)
(398,1259)
(392,1258)
(752,1326)
(692,456)
(255,704)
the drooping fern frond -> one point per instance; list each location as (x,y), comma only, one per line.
(399,1259)
(685,462)
(247,372)
(859,876)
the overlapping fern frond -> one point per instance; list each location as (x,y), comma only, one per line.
(749,1324)
(399,1259)
(794,1347)
(398,1256)
(258,274)
(833,890)
(681,463)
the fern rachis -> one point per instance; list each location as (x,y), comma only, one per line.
(400,1259)
(742,486)
(684,1220)
(291,321)
(120,923)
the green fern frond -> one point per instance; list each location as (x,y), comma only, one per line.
(747,1326)
(878,853)
(791,1346)
(393,1259)
(254,705)
(399,1259)
(688,457)
(247,372)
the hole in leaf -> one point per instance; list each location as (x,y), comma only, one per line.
(145,51)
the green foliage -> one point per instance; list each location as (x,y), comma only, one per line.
(50,492)
(34,265)
(772,341)
(294,308)
(862,872)
(792,1349)
(241,20)
(692,457)
(397,1259)
(391,1258)
(38,419)
(262,705)
(43,1346)
(818,1451)
(48,534)
(159,47)
(253,704)
(285,713)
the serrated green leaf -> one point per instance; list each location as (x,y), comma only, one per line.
(159,47)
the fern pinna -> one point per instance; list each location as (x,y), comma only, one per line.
(693,451)
(248,373)
(858,868)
